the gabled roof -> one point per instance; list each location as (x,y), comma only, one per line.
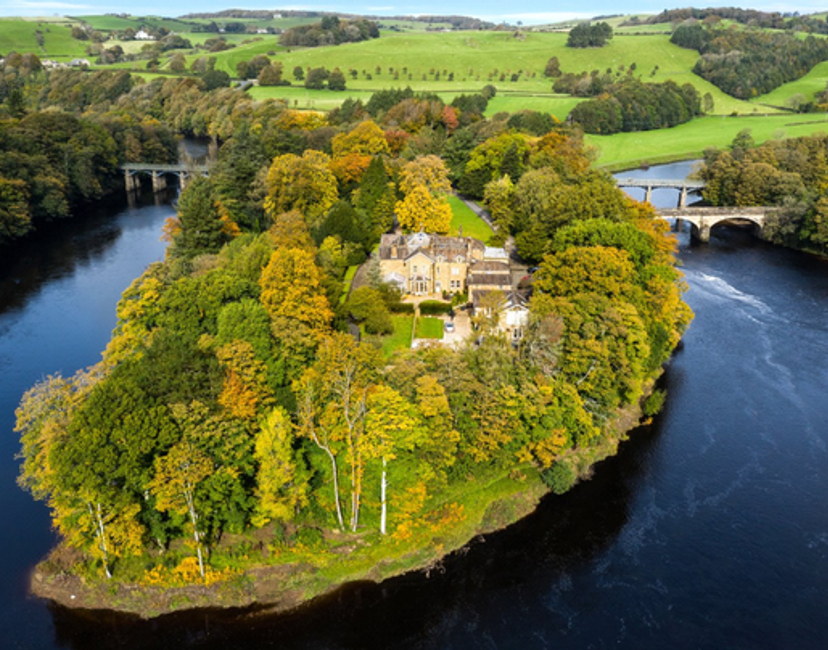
(500,280)
(416,252)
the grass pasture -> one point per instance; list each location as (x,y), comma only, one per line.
(686,141)
(18,35)
(809,85)
(479,58)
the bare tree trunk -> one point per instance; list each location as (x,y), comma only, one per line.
(383,488)
(194,519)
(100,532)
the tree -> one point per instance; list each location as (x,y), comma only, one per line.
(553,68)
(336,80)
(298,73)
(366,305)
(303,183)
(421,211)
(178,476)
(271,75)
(365,138)
(428,172)
(316,78)
(178,63)
(292,290)
(15,218)
(332,397)
(391,426)
(282,487)
(500,199)
(215,79)
(202,229)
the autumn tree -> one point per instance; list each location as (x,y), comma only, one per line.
(303,183)
(282,487)
(391,427)
(422,211)
(178,475)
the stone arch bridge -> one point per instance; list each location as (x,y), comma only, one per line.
(683,186)
(703,219)
(158,173)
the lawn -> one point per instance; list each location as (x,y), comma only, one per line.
(429,327)
(346,282)
(400,339)
(473,226)
(627,150)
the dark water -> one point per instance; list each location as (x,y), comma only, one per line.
(58,294)
(708,530)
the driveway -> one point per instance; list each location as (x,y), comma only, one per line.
(462,329)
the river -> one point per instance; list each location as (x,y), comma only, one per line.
(708,530)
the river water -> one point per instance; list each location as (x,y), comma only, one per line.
(708,530)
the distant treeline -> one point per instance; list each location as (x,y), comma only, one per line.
(329,31)
(635,106)
(457,22)
(744,63)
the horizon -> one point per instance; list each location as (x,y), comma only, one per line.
(529,12)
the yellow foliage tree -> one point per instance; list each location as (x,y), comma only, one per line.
(305,183)
(245,390)
(366,138)
(280,488)
(421,211)
(292,289)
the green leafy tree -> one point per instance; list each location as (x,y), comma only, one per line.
(202,230)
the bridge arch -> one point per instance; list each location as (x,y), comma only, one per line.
(702,220)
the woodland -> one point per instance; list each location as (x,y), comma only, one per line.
(791,175)
(233,422)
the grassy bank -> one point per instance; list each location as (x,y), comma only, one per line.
(686,141)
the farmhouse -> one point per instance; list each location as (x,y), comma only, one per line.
(142,35)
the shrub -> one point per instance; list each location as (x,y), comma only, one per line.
(432,307)
(560,477)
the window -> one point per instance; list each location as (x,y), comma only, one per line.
(437,270)
(415,268)
(455,271)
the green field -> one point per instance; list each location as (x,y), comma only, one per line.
(463,215)
(18,34)
(478,58)
(626,150)
(811,83)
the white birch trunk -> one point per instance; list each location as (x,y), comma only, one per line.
(196,536)
(384,501)
(101,533)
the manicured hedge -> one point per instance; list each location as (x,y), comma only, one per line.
(432,307)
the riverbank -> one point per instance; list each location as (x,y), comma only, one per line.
(276,588)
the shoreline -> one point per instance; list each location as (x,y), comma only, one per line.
(281,588)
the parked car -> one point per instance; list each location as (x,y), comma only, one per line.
(449,327)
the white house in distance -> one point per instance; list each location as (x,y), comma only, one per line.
(143,35)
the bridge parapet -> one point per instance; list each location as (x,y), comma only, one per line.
(157,171)
(683,185)
(703,219)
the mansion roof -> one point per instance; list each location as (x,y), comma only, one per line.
(437,247)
